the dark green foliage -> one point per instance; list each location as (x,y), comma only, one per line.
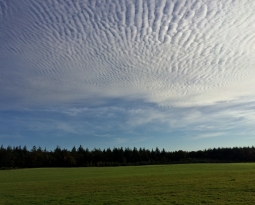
(18,157)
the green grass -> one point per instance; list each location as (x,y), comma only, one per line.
(168,184)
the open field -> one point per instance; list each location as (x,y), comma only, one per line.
(166,184)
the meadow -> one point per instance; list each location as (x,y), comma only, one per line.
(161,184)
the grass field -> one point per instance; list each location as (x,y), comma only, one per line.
(168,184)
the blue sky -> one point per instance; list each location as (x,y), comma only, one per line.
(172,74)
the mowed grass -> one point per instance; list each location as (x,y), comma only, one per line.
(168,184)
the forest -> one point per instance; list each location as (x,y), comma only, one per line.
(21,157)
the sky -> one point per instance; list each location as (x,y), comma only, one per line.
(172,74)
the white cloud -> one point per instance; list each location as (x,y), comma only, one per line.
(171,53)
(128,67)
(66,127)
(209,135)
(120,140)
(102,135)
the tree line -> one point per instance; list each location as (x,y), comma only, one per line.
(21,157)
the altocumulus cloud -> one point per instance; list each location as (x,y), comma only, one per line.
(190,64)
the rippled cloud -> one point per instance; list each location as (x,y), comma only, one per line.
(179,53)
(193,56)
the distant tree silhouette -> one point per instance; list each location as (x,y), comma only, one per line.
(18,157)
